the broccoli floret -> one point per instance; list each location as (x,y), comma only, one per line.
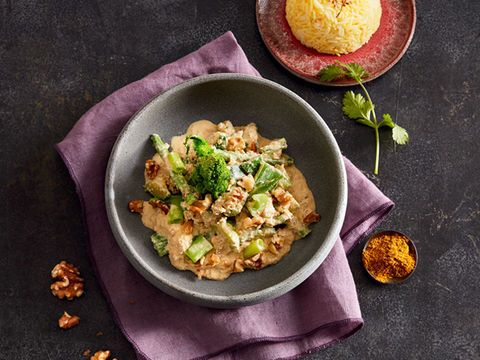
(211,175)
(201,146)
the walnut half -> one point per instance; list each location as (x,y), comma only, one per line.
(68,321)
(69,284)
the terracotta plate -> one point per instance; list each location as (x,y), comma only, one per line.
(385,48)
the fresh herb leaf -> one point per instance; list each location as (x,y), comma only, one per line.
(387,121)
(339,70)
(400,135)
(355,106)
(360,108)
(355,71)
(331,73)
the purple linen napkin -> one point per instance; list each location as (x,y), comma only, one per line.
(321,311)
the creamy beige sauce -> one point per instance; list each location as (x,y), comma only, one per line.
(211,267)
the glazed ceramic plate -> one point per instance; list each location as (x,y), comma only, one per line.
(278,112)
(384,49)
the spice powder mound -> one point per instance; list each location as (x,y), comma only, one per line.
(388,257)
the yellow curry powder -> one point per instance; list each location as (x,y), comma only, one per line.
(388,256)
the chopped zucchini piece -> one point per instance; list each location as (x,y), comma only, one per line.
(199,248)
(229,232)
(247,235)
(266,178)
(257,203)
(159,243)
(175,200)
(251,166)
(175,214)
(304,232)
(275,145)
(254,248)
(157,187)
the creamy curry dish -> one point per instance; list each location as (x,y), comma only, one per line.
(224,199)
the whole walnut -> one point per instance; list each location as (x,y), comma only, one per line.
(69,284)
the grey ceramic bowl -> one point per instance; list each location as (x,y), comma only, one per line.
(278,112)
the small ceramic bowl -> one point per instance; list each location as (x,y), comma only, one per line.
(413,251)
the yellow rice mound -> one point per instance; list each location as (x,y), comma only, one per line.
(333,26)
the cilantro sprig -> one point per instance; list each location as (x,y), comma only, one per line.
(361,108)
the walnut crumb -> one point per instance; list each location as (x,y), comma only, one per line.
(69,284)
(273,249)
(238,266)
(311,218)
(87,353)
(101,355)
(135,206)
(158,204)
(151,169)
(99,333)
(68,321)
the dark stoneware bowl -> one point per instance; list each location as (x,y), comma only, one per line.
(278,112)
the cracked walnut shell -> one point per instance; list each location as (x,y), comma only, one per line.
(69,284)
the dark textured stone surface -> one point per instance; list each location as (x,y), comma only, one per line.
(59,58)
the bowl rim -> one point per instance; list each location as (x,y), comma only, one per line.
(226,301)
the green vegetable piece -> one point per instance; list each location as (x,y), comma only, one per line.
(281,219)
(175,214)
(254,248)
(275,145)
(160,147)
(251,166)
(285,182)
(175,173)
(201,146)
(158,188)
(229,232)
(176,162)
(175,200)
(190,199)
(181,183)
(304,232)
(266,178)
(257,203)
(247,235)
(236,172)
(221,141)
(159,243)
(284,160)
(211,175)
(199,247)
(235,156)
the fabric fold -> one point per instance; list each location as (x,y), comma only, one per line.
(319,312)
